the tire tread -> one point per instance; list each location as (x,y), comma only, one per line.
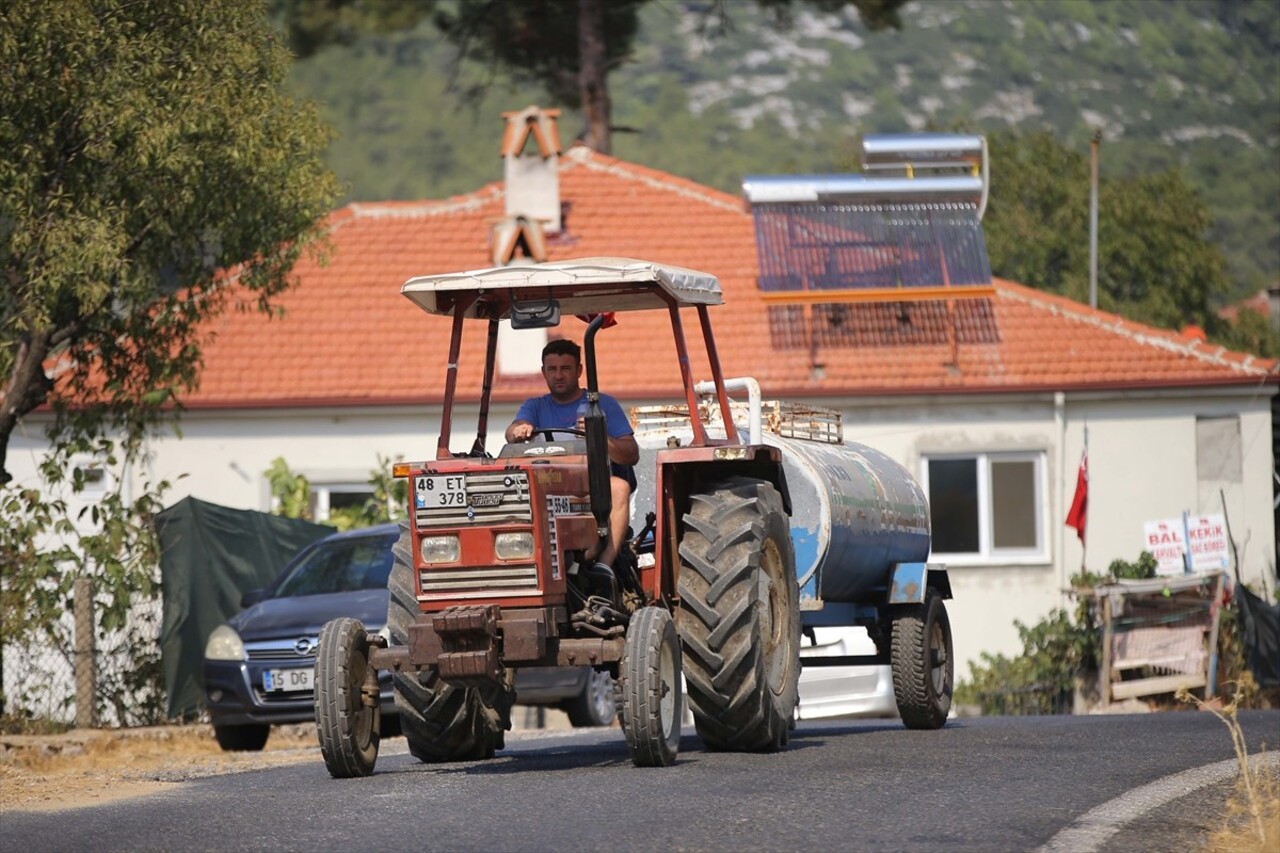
(721,547)
(650,746)
(918,703)
(347,752)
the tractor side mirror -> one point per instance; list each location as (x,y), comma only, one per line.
(535,315)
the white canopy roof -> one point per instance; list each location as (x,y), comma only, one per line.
(585,285)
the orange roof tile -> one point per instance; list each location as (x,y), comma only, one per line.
(347,336)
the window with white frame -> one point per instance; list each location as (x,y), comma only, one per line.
(987,506)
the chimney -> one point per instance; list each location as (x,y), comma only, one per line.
(531,158)
(1273,306)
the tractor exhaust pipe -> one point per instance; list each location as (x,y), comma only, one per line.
(597,436)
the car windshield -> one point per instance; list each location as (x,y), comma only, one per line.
(341,565)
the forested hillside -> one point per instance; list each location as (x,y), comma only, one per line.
(1189,84)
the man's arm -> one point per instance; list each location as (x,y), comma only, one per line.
(519,430)
(624,450)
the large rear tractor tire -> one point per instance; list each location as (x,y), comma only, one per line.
(650,680)
(923,663)
(347,724)
(441,722)
(739,617)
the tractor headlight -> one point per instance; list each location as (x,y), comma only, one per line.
(439,549)
(513,546)
(224,644)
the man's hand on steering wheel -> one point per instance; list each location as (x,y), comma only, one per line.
(549,432)
(522,432)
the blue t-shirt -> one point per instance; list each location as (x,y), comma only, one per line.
(544,412)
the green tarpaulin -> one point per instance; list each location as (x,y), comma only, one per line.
(210,556)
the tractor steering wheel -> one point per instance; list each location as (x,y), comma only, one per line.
(547,432)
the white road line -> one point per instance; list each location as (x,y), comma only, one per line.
(1095,827)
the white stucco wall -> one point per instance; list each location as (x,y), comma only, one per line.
(1142,467)
(1142,449)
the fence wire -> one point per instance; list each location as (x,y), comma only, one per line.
(40,676)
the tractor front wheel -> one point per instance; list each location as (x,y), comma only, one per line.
(649,679)
(348,717)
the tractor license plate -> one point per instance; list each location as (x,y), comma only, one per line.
(441,490)
(288,680)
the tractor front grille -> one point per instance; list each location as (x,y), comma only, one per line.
(481,581)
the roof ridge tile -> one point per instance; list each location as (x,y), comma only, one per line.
(1139,333)
(655,178)
(401,209)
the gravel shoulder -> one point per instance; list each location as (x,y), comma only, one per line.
(91,767)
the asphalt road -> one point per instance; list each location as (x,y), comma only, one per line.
(1068,783)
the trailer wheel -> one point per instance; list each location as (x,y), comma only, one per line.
(739,617)
(923,663)
(650,678)
(347,726)
(441,722)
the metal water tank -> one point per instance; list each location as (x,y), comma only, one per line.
(855,512)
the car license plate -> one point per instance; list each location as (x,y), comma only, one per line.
(288,680)
(441,490)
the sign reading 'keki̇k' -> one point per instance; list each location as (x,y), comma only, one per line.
(1167,540)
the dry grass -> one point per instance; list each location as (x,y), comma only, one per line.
(1251,823)
(96,749)
(81,768)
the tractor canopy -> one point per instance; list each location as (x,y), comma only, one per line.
(582,286)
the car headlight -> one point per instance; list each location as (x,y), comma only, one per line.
(439,549)
(224,644)
(513,546)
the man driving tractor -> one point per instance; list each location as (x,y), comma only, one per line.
(564,408)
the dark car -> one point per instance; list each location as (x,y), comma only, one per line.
(259,666)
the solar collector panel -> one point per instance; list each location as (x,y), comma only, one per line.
(816,246)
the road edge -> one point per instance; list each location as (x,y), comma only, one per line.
(1094,828)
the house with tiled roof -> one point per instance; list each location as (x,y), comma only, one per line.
(988,402)
(1265,303)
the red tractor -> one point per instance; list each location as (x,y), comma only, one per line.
(490,574)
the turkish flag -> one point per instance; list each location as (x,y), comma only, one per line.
(1080,503)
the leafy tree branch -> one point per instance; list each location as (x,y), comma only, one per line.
(145,147)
